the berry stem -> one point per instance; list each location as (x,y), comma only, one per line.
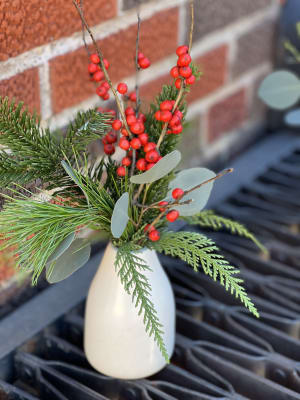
(99,52)
(192,24)
(83,31)
(137,67)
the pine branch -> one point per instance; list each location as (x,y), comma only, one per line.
(208,219)
(35,229)
(196,249)
(35,151)
(130,269)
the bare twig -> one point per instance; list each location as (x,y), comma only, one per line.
(226,171)
(99,52)
(182,87)
(137,68)
(83,31)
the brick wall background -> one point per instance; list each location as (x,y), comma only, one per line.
(43,61)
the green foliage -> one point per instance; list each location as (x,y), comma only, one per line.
(36,228)
(130,269)
(208,219)
(196,249)
(33,152)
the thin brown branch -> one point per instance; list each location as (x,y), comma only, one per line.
(99,52)
(192,24)
(83,31)
(137,67)
(226,171)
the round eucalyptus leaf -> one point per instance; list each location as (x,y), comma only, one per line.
(159,170)
(293,117)
(120,216)
(280,90)
(61,248)
(69,262)
(187,179)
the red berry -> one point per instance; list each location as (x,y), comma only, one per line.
(111,137)
(107,87)
(117,124)
(140,56)
(150,165)
(166,105)
(98,76)
(166,116)
(144,63)
(191,80)
(135,143)
(178,83)
(177,129)
(152,156)
(122,88)
(137,128)
(163,204)
(177,193)
(157,115)
(141,164)
(172,215)
(121,171)
(94,58)
(142,117)
(132,96)
(144,138)
(149,146)
(106,63)
(124,132)
(149,228)
(182,50)
(124,144)
(104,140)
(174,72)
(179,114)
(185,72)
(129,111)
(92,68)
(159,158)
(131,119)
(126,161)
(184,60)
(101,91)
(175,120)
(106,96)
(109,148)
(154,236)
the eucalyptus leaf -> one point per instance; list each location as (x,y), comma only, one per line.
(162,168)
(61,248)
(69,262)
(120,216)
(72,174)
(280,90)
(293,117)
(187,179)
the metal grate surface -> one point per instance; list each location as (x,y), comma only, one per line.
(221,352)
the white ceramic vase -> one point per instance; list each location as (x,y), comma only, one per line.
(115,340)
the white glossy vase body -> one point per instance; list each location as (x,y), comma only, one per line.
(115,340)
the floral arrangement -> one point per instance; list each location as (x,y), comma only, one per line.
(134,201)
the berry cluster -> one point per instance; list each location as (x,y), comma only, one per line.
(97,75)
(171,215)
(182,72)
(143,61)
(166,114)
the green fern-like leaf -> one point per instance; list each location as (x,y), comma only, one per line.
(130,269)
(197,249)
(208,219)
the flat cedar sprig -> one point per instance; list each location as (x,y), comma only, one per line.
(136,190)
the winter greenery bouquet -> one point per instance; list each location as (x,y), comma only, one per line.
(133,200)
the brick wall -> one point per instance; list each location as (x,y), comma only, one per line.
(43,61)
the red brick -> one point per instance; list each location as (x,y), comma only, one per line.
(213,66)
(27,24)
(69,79)
(23,87)
(227,115)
